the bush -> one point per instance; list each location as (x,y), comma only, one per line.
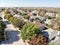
(28,30)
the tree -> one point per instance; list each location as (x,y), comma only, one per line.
(2,27)
(0,18)
(26,17)
(7,16)
(28,30)
(21,23)
(17,22)
(6,12)
(37,18)
(11,19)
(58,20)
(37,40)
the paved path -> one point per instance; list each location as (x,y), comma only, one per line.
(14,36)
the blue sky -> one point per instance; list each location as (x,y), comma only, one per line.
(29,3)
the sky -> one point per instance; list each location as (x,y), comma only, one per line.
(29,3)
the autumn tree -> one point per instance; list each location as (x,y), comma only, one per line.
(38,40)
(7,12)
(7,16)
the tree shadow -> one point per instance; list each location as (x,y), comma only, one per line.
(45,34)
(6,22)
(12,37)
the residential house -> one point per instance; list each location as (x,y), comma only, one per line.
(56,26)
(42,18)
(48,21)
(32,18)
(50,14)
(12,12)
(57,39)
(40,25)
(18,16)
(34,13)
(58,33)
(50,33)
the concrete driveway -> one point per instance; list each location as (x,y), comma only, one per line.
(13,36)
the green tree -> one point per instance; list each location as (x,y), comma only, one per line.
(26,17)
(28,30)
(17,22)
(2,27)
(0,18)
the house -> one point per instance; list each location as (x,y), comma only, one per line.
(12,12)
(42,18)
(18,16)
(56,27)
(50,14)
(58,33)
(1,10)
(58,15)
(34,12)
(57,39)
(48,21)
(50,33)
(40,25)
(2,15)
(32,18)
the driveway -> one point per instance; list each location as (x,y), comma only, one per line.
(13,36)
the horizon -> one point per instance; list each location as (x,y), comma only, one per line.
(30,3)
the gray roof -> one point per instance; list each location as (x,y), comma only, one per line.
(52,33)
